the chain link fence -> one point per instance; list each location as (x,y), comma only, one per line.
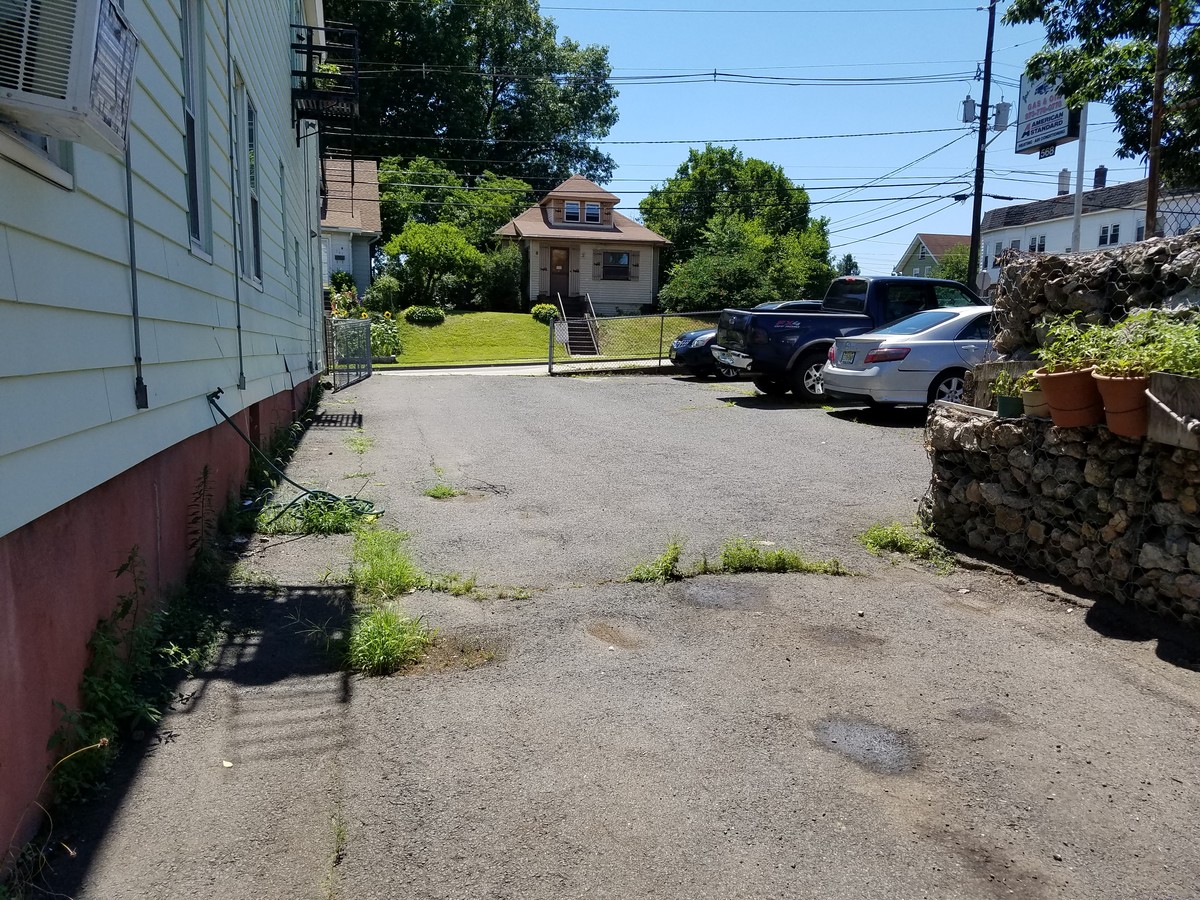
(347,351)
(621,342)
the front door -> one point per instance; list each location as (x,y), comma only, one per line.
(560,272)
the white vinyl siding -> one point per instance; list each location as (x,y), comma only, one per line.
(66,343)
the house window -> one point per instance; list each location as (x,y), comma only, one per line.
(1140,233)
(1015,245)
(1037,243)
(1110,235)
(922,253)
(245,130)
(195,130)
(591,213)
(283,216)
(999,249)
(44,156)
(296,269)
(616,265)
(916,270)
(571,211)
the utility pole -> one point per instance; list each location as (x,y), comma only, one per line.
(977,205)
(1154,175)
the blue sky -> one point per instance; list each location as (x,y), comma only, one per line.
(799,39)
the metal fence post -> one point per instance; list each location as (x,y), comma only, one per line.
(662,324)
(550,351)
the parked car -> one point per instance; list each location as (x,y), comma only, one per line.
(691,354)
(785,349)
(915,360)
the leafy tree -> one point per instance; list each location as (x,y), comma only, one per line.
(848,265)
(719,181)
(491,201)
(432,261)
(953,265)
(1106,52)
(412,191)
(480,84)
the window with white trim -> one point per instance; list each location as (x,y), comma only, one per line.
(591,213)
(571,211)
(1140,232)
(1110,235)
(48,157)
(195,126)
(1037,243)
(245,128)
(922,253)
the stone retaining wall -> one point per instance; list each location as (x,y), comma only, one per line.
(1111,515)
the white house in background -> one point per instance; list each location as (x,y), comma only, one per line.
(1112,215)
(125,303)
(577,246)
(350,223)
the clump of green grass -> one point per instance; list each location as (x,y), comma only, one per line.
(660,570)
(896,537)
(359,443)
(442,491)
(381,566)
(382,640)
(312,515)
(740,555)
(455,585)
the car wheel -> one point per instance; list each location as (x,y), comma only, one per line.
(808,384)
(948,386)
(771,387)
(727,373)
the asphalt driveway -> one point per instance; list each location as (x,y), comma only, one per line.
(893,734)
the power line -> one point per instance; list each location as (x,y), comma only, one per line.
(695,11)
(745,140)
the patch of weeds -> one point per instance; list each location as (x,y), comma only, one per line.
(825,407)
(896,537)
(310,515)
(660,570)
(240,573)
(455,585)
(359,442)
(742,556)
(359,475)
(513,593)
(442,491)
(136,657)
(381,566)
(383,641)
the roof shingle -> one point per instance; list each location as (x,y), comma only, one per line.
(346,209)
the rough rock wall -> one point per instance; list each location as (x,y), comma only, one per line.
(1102,286)
(1111,515)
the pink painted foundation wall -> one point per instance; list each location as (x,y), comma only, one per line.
(57,578)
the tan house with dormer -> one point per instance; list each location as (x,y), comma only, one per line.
(579,248)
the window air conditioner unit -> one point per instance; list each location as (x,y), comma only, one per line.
(66,70)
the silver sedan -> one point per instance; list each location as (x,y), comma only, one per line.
(915,360)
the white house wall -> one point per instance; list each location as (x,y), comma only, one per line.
(66,329)
(1058,233)
(608,297)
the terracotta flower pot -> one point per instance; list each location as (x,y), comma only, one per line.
(1035,404)
(1009,407)
(1072,397)
(1125,407)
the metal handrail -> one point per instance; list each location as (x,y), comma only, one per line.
(591,322)
(562,309)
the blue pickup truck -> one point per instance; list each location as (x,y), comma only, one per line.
(785,351)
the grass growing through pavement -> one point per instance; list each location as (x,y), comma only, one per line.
(661,570)
(360,443)
(737,555)
(381,566)
(442,491)
(896,537)
(382,640)
(741,556)
(311,515)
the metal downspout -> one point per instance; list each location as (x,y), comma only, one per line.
(313,317)
(141,399)
(233,200)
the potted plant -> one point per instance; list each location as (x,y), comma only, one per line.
(1066,374)
(1122,372)
(1033,399)
(1008,396)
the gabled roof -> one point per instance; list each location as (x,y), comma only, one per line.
(1118,196)
(535,222)
(936,244)
(579,188)
(347,208)
(535,225)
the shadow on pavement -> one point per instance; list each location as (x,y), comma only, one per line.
(884,417)
(274,635)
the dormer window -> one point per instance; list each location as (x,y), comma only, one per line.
(571,211)
(591,213)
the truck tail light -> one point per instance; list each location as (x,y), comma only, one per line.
(886,354)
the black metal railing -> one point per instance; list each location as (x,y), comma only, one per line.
(325,73)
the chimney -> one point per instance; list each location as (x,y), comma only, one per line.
(1064,182)
(1101,177)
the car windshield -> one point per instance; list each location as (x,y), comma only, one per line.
(917,322)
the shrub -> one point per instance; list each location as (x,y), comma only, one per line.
(544,312)
(424,315)
(383,294)
(341,281)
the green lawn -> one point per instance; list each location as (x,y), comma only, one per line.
(488,337)
(476,337)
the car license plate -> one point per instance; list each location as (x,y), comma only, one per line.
(847,357)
